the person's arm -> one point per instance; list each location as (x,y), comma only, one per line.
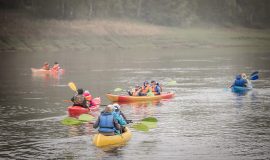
(96,124)
(72,99)
(122,114)
(116,124)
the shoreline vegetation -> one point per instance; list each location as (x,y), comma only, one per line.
(24,33)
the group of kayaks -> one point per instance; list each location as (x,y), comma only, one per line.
(99,139)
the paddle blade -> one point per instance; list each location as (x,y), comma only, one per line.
(72,86)
(86,118)
(255,77)
(150,125)
(140,127)
(149,119)
(171,83)
(71,121)
(118,89)
(254,73)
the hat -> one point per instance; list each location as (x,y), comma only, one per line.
(116,106)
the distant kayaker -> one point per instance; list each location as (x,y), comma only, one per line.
(155,88)
(239,81)
(46,66)
(120,117)
(56,67)
(106,122)
(79,99)
(135,91)
(146,88)
(245,77)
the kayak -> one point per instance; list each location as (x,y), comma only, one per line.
(36,70)
(238,89)
(100,140)
(74,111)
(124,98)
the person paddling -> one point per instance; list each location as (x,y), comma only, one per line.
(46,66)
(56,67)
(135,91)
(79,99)
(120,117)
(239,81)
(106,123)
(146,88)
(155,88)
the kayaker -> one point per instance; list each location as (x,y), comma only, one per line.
(146,88)
(245,77)
(46,66)
(135,91)
(88,98)
(239,81)
(79,99)
(155,88)
(56,67)
(120,117)
(106,122)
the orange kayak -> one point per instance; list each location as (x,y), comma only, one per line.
(36,70)
(124,98)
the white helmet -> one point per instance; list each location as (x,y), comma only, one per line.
(116,106)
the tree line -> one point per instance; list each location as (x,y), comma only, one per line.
(163,12)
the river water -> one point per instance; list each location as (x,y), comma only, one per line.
(203,120)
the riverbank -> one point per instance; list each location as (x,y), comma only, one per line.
(22,34)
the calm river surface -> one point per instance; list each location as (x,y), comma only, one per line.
(203,121)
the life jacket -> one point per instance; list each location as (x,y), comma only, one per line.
(160,86)
(135,92)
(106,123)
(117,115)
(56,67)
(78,100)
(156,90)
(240,82)
(146,89)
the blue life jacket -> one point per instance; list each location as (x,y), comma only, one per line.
(119,118)
(106,124)
(240,81)
(157,89)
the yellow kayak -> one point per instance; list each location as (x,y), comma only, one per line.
(100,140)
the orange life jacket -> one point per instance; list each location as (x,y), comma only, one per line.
(146,89)
(56,67)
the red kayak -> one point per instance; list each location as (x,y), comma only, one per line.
(74,111)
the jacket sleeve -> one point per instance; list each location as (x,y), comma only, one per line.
(122,114)
(96,124)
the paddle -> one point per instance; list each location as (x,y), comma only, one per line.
(145,124)
(83,118)
(254,76)
(72,86)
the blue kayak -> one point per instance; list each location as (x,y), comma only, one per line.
(239,89)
